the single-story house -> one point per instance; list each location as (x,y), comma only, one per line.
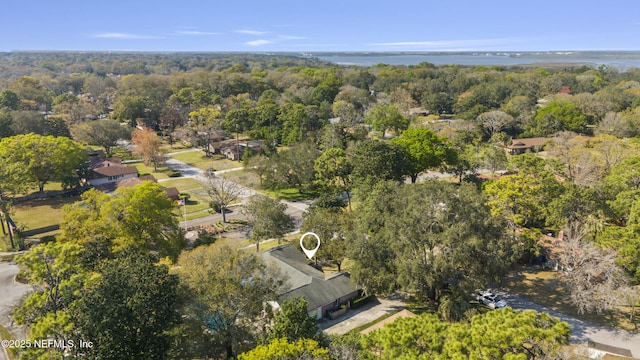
(521,146)
(236,151)
(172,192)
(323,293)
(110,172)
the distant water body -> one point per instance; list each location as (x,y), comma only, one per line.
(622,62)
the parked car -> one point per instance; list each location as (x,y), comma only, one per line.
(490,300)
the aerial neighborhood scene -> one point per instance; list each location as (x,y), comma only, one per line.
(321,181)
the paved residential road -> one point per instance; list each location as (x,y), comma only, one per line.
(11,292)
(294,208)
(581,331)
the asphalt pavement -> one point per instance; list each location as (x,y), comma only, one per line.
(11,292)
(294,208)
(581,331)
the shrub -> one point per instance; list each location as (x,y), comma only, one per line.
(360,302)
(204,240)
(174,173)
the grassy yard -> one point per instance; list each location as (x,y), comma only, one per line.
(249,179)
(149,170)
(198,202)
(199,160)
(50,186)
(544,288)
(37,213)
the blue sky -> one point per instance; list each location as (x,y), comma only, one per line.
(329,25)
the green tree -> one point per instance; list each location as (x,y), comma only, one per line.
(505,334)
(59,279)
(268,218)
(563,115)
(139,217)
(522,198)
(226,291)
(295,120)
(494,157)
(622,187)
(105,133)
(130,109)
(280,349)
(6,123)
(334,226)
(293,167)
(129,309)
(378,160)
(334,171)
(9,100)
(293,322)
(30,92)
(384,117)
(425,150)
(431,239)
(44,157)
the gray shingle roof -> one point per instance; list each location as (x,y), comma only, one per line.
(305,280)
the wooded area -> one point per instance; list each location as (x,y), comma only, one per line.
(359,141)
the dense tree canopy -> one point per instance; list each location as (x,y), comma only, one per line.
(431,238)
(139,217)
(44,158)
(105,133)
(425,150)
(504,334)
(268,218)
(226,293)
(129,309)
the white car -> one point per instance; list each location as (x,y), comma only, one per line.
(491,300)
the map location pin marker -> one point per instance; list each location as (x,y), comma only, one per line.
(310,252)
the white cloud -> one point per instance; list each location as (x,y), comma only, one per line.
(291,37)
(258,42)
(194,32)
(469,44)
(116,35)
(250,32)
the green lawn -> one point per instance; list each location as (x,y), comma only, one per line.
(149,170)
(199,160)
(198,201)
(50,186)
(544,288)
(249,179)
(37,213)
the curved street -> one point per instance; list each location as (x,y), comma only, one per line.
(294,208)
(581,331)
(11,292)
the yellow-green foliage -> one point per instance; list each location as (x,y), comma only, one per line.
(280,349)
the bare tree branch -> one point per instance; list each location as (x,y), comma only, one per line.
(222,193)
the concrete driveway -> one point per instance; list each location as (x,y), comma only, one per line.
(354,318)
